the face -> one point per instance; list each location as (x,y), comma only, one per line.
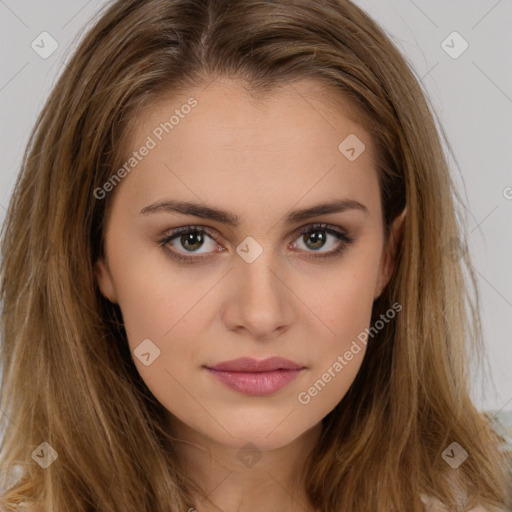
(218,248)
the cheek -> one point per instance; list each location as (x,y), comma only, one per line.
(340,351)
(344,299)
(347,304)
(344,304)
(156,297)
(162,317)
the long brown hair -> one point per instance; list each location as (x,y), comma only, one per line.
(68,376)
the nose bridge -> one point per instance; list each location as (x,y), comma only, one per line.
(261,299)
(256,270)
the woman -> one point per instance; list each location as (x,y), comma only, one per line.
(228,275)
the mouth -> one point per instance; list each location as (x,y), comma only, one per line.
(256,378)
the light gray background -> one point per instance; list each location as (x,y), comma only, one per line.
(471,94)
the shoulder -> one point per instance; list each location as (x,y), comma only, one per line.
(433,505)
(19,507)
(501,422)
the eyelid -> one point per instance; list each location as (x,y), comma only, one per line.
(214,233)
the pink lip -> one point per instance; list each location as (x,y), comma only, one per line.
(257,378)
(248,364)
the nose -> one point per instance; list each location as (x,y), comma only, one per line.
(261,301)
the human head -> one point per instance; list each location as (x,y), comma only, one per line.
(258,158)
(136,55)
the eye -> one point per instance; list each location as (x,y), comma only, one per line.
(316,236)
(192,239)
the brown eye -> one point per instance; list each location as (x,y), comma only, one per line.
(192,240)
(317,240)
(189,239)
(316,237)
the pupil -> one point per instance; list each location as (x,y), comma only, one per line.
(316,239)
(189,237)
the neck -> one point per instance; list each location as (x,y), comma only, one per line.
(246,479)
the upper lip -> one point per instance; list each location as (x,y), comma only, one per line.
(248,364)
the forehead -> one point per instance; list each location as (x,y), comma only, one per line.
(228,111)
(288,142)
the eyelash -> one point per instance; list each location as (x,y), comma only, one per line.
(339,234)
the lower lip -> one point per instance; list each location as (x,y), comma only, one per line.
(256,383)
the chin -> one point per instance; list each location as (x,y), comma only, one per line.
(263,436)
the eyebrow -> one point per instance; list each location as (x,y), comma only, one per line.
(231,219)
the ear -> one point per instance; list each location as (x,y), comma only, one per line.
(388,259)
(104,280)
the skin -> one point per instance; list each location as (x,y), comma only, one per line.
(259,159)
